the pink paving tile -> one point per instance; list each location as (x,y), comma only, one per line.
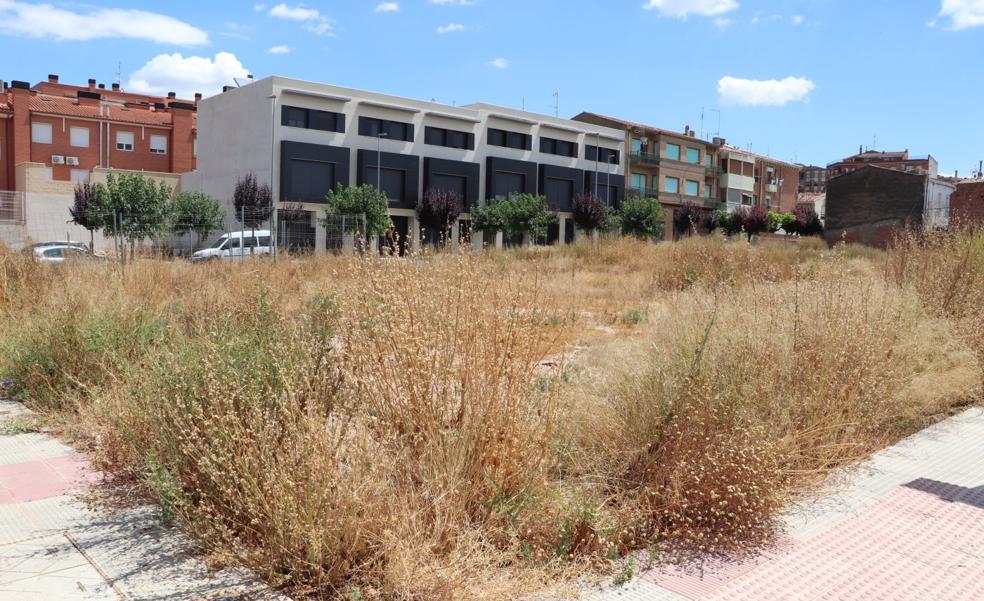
(33,480)
(912,544)
(697,580)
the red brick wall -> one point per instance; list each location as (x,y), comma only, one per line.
(6,157)
(967,203)
(140,158)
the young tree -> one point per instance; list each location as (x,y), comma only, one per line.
(525,214)
(438,211)
(753,221)
(87,209)
(780,221)
(196,212)
(642,218)
(486,217)
(253,202)
(360,200)
(140,206)
(590,212)
(686,219)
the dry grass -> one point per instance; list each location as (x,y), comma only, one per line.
(483,426)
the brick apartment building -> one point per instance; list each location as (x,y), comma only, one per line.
(72,130)
(898,161)
(676,167)
(813,179)
(750,180)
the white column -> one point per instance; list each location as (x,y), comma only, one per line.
(498,240)
(414,233)
(477,239)
(562,233)
(320,234)
(455,231)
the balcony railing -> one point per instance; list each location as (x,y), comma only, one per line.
(643,192)
(713,171)
(645,158)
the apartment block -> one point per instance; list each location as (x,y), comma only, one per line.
(749,180)
(72,130)
(307,138)
(676,167)
(895,160)
(813,179)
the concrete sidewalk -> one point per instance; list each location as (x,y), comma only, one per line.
(53,547)
(906,524)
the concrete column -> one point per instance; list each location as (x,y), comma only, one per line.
(477,240)
(348,243)
(594,236)
(562,232)
(414,233)
(320,235)
(527,239)
(498,240)
(455,230)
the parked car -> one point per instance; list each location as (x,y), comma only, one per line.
(59,252)
(235,245)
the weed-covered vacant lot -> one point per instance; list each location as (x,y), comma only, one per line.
(490,425)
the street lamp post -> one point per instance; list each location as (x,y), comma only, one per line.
(273,153)
(608,182)
(597,157)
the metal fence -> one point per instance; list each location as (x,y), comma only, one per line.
(122,236)
(11,208)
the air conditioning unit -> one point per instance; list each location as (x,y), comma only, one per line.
(71,160)
(57,159)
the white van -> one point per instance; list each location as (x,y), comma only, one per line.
(236,245)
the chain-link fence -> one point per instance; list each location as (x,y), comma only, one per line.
(124,236)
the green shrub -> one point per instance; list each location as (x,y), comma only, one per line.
(642,218)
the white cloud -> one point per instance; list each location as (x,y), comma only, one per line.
(450,28)
(387,7)
(963,14)
(723,23)
(499,63)
(45,20)
(282,49)
(453,2)
(763,92)
(797,20)
(681,9)
(313,20)
(174,73)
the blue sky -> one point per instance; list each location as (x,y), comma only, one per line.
(806,80)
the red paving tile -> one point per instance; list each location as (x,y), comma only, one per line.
(925,542)
(51,477)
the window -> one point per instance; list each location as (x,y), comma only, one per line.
(768,201)
(41,133)
(505,183)
(233,243)
(124,141)
(655,182)
(673,151)
(636,145)
(770,175)
(746,199)
(558,147)
(79,137)
(80,176)
(693,155)
(291,116)
(450,138)
(708,160)
(510,139)
(639,183)
(708,191)
(608,155)
(672,184)
(691,188)
(394,130)
(158,144)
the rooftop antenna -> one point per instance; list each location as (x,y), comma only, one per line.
(718,132)
(524,103)
(702,122)
(874,142)
(119,72)
(249,76)
(557,103)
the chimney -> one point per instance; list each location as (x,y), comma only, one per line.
(182,137)
(102,86)
(52,78)
(92,85)
(227,88)
(116,87)
(88,98)
(171,95)
(198,98)
(21,123)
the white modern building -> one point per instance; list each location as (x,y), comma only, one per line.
(306,138)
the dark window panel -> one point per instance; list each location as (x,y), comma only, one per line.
(506,183)
(309,181)
(292,116)
(327,121)
(369,126)
(497,137)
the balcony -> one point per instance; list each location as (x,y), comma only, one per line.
(643,192)
(712,171)
(702,202)
(771,188)
(644,158)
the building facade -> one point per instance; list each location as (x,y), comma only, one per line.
(675,167)
(870,205)
(813,179)
(898,161)
(73,130)
(967,203)
(307,138)
(752,180)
